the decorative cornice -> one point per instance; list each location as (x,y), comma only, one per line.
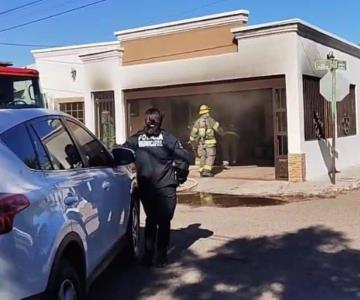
(101,56)
(183,25)
(76,48)
(303,29)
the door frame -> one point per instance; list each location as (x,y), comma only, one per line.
(275,82)
(280,132)
(103,97)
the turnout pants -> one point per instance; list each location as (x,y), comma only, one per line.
(207,155)
(159,206)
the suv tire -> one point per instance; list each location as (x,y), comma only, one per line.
(132,247)
(66,284)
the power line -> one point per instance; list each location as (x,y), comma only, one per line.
(71,10)
(19,7)
(35,10)
(51,16)
(28,45)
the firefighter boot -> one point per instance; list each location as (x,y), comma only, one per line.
(207,174)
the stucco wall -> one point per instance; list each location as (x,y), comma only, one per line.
(317,153)
(284,53)
(55,76)
(103,75)
(55,66)
(256,57)
(192,43)
(264,55)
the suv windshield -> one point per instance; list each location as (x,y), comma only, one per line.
(20,92)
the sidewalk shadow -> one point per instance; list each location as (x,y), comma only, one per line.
(121,281)
(326,152)
(312,263)
(183,238)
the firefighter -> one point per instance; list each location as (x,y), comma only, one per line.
(162,164)
(203,136)
(230,143)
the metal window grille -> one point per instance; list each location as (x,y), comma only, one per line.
(317,112)
(75,109)
(346,115)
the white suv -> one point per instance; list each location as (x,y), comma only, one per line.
(67,206)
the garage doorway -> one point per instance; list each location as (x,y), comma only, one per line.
(254,111)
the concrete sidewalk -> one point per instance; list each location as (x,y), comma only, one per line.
(347,180)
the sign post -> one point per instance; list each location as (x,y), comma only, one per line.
(333,65)
(334,121)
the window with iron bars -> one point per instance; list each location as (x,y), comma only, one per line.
(317,112)
(75,109)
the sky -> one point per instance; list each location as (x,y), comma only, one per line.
(97,23)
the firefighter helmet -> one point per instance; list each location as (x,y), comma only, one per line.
(204,109)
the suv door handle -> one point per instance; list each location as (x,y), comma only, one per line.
(106,185)
(70,200)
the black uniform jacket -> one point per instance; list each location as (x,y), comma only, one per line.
(155,157)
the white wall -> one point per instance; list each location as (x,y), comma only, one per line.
(55,66)
(55,76)
(316,159)
(253,59)
(104,75)
(267,55)
(264,55)
(261,56)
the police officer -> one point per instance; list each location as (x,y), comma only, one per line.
(156,153)
(203,134)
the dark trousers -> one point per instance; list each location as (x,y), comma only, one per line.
(159,206)
(230,149)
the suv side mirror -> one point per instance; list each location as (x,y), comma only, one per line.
(123,156)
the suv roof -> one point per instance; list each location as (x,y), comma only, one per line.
(11,117)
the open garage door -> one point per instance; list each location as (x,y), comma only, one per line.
(255,109)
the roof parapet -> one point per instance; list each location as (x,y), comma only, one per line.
(183,25)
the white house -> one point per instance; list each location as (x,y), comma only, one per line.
(260,79)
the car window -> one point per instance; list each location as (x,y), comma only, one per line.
(92,149)
(61,149)
(42,156)
(18,140)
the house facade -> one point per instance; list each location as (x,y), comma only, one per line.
(258,79)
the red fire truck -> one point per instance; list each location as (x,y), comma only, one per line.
(19,87)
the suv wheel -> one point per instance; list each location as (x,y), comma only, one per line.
(66,284)
(132,248)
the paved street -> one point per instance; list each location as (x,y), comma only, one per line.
(302,250)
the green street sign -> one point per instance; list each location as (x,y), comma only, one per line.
(341,65)
(322,64)
(328,64)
